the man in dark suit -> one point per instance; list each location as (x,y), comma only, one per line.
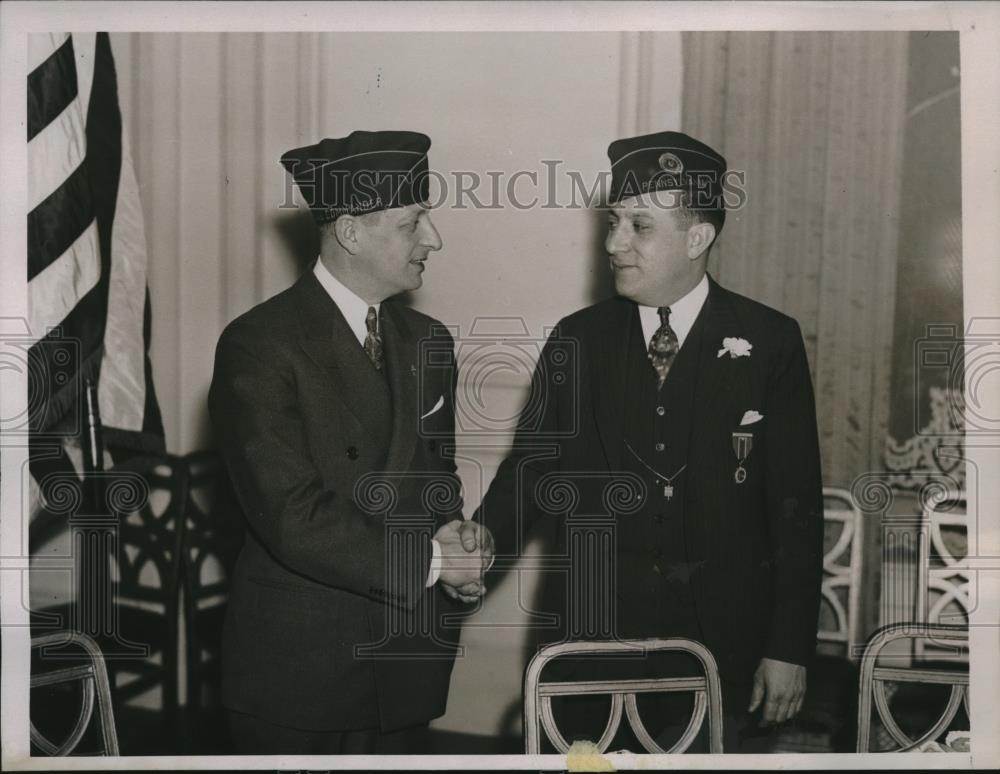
(685,413)
(333,641)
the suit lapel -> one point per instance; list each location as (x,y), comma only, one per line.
(714,373)
(330,343)
(608,375)
(400,349)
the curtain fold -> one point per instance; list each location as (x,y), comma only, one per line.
(815,120)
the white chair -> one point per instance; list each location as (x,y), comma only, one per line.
(828,713)
(706,689)
(74,647)
(839,603)
(874,680)
(945,586)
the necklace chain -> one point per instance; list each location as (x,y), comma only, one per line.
(668,479)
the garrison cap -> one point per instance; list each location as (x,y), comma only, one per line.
(361,173)
(667,161)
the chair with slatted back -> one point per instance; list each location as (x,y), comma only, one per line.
(944,594)
(136,625)
(147,576)
(538,694)
(877,675)
(212,537)
(826,722)
(945,587)
(82,663)
(839,604)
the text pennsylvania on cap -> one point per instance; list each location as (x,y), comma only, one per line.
(667,161)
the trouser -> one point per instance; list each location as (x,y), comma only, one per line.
(253,736)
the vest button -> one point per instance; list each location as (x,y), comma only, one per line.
(660,410)
(659,518)
(352,452)
(660,447)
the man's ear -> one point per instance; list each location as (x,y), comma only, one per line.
(345,229)
(699,238)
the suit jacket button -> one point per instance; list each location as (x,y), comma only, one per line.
(432,445)
(352,452)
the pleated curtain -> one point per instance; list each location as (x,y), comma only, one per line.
(815,122)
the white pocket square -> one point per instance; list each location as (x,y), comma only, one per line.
(437,407)
(750,417)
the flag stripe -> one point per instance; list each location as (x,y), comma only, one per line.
(152,420)
(121,392)
(64,282)
(104,150)
(56,223)
(52,87)
(84,45)
(42,45)
(88,300)
(73,349)
(55,153)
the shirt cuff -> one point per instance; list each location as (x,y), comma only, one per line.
(435,572)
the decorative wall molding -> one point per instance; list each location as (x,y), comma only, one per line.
(936,451)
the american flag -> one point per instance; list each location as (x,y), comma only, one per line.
(88,303)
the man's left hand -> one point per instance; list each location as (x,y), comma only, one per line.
(781,687)
(475,536)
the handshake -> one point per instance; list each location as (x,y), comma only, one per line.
(466,553)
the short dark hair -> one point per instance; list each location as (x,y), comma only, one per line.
(328,225)
(687,215)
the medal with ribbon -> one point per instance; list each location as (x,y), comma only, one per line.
(742,444)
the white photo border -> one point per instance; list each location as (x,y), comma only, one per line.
(979,28)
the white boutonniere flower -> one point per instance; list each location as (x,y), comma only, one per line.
(736,347)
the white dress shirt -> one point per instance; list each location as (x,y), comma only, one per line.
(683,313)
(354,308)
(355,311)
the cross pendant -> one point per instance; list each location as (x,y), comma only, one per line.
(668,491)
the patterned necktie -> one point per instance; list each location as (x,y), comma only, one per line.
(663,346)
(373,341)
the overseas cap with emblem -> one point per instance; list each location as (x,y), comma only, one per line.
(361,173)
(667,161)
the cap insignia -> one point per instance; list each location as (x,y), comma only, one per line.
(670,163)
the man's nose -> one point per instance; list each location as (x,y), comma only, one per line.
(615,242)
(432,239)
